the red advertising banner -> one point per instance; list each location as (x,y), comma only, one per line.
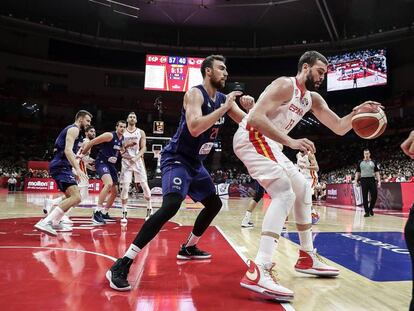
(407,191)
(341,194)
(38,165)
(49,185)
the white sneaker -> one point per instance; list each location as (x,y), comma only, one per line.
(124,219)
(245,224)
(60,227)
(45,227)
(312,263)
(260,279)
(66,220)
(47,206)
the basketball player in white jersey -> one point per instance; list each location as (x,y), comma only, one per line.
(257,143)
(309,167)
(133,163)
(86,162)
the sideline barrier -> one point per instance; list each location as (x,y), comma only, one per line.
(49,185)
(391,196)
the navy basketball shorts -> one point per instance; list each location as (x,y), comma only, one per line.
(178,177)
(103,168)
(64,177)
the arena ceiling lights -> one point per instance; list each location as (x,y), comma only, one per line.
(124,7)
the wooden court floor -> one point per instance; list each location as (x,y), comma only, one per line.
(370,252)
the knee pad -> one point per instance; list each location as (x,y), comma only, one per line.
(84,192)
(213,203)
(124,192)
(303,202)
(278,210)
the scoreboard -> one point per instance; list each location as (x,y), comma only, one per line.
(172,73)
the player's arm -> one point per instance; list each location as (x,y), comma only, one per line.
(142,145)
(103,138)
(377,173)
(358,173)
(330,119)
(313,163)
(71,135)
(408,145)
(247,102)
(277,93)
(196,122)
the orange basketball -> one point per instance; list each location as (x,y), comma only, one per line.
(369,121)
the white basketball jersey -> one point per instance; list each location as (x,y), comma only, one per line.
(303,160)
(289,114)
(129,137)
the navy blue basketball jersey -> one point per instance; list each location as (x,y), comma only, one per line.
(110,151)
(59,157)
(196,148)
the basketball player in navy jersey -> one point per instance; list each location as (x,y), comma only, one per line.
(182,167)
(110,149)
(60,168)
(408,147)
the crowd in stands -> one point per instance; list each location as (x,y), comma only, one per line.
(230,176)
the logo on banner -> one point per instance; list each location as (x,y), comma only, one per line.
(332,193)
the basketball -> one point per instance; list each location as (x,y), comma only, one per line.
(369,122)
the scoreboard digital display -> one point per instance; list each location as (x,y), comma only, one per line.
(172,73)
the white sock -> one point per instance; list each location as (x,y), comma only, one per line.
(54,216)
(247,217)
(267,246)
(305,238)
(124,207)
(149,204)
(192,240)
(132,251)
(56,201)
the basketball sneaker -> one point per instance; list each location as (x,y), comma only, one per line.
(312,263)
(315,217)
(97,218)
(248,224)
(45,227)
(192,252)
(117,275)
(60,227)
(66,220)
(124,219)
(261,279)
(47,206)
(107,218)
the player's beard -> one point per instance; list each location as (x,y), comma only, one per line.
(218,83)
(310,83)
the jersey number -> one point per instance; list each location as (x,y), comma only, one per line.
(214,133)
(290,124)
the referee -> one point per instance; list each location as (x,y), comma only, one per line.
(366,172)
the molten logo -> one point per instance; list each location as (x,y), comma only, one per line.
(37,183)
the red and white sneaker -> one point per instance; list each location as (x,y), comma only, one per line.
(312,263)
(260,279)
